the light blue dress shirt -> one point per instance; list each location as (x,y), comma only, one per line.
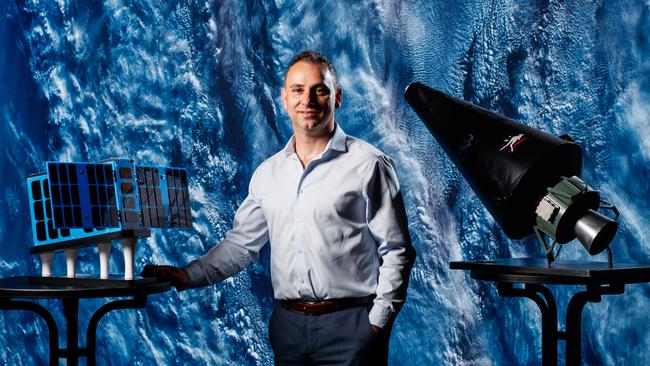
(337,228)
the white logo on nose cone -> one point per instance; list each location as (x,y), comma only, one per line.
(512,142)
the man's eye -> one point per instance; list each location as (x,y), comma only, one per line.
(322,91)
(296,91)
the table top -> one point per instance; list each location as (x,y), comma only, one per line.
(36,287)
(537,270)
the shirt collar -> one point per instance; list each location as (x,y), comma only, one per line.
(337,142)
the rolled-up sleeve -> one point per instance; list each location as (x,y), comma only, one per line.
(240,247)
(386,219)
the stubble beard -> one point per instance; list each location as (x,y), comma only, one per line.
(315,127)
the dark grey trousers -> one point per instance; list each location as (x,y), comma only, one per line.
(340,338)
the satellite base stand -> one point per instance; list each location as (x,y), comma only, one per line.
(104,250)
(71,262)
(46,263)
(128,248)
(128,239)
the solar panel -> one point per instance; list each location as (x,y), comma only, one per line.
(151,201)
(118,194)
(43,228)
(164,197)
(179,198)
(83,195)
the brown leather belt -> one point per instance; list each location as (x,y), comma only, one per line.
(325,306)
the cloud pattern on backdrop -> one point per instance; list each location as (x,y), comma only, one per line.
(196,84)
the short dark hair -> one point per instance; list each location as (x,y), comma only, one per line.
(314,57)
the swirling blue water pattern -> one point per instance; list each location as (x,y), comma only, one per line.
(196,84)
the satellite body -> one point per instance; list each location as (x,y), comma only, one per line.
(74,205)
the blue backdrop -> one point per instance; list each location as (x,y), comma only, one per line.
(196,84)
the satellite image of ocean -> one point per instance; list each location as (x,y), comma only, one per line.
(196,84)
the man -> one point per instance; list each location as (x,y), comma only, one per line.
(331,207)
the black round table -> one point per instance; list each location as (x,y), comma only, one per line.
(599,278)
(69,291)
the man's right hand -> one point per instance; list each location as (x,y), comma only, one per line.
(177,276)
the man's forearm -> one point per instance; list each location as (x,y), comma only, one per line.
(219,263)
(392,283)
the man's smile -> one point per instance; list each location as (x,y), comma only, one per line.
(309,113)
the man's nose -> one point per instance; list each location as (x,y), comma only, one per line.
(308,98)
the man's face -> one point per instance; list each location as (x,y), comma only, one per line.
(309,97)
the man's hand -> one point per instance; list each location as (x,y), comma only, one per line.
(177,276)
(375,329)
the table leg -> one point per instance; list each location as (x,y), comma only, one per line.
(545,300)
(71,312)
(91,335)
(7,304)
(574,317)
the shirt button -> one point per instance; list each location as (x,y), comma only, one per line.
(298,220)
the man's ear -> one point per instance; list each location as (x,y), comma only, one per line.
(338,99)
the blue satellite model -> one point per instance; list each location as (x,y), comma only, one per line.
(79,204)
